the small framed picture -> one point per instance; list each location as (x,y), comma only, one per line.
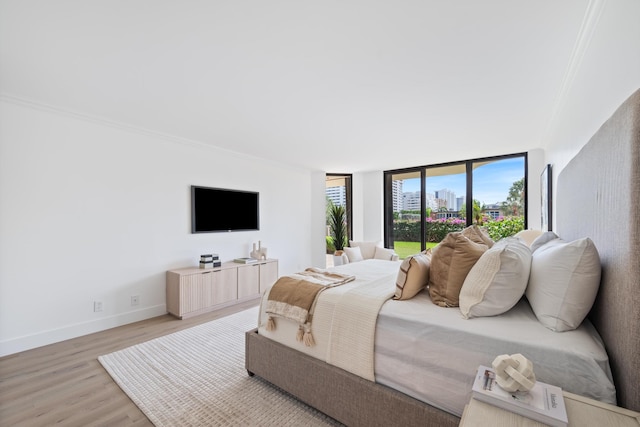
(545,199)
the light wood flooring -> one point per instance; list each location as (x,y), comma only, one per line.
(64,384)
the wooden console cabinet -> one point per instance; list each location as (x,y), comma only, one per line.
(192,291)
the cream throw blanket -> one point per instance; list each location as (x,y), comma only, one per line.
(353,330)
(344,317)
(293,297)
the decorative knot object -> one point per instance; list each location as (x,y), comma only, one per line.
(514,372)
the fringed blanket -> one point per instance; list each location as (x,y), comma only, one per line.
(293,297)
(353,328)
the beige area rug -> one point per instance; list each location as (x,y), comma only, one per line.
(196,377)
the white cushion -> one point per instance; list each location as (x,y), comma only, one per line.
(497,281)
(383,253)
(563,283)
(354,254)
(542,240)
(367,248)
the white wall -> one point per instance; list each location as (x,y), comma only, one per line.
(368,205)
(91,211)
(604,72)
(318,229)
(608,73)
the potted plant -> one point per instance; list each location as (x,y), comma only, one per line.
(338,226)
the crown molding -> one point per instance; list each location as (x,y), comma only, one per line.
(585,34)
(100,120)
(28,103)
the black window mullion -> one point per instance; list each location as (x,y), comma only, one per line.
(469,193)
(423,208)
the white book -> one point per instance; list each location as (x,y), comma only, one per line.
(543,403)
(245,260)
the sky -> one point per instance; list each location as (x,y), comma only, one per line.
(491,182)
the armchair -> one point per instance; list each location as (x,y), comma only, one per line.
(358,251)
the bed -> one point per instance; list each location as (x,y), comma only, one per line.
(609,164)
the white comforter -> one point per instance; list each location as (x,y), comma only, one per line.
(431,353)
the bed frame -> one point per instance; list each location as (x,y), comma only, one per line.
(598,196)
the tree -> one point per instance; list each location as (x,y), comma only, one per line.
(477,211)
(514,206)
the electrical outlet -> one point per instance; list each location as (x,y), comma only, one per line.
(135,300)
(97,306)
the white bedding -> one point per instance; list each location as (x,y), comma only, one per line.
(431,353)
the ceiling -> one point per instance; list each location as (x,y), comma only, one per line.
(338,86)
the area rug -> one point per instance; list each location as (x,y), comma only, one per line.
(197,377)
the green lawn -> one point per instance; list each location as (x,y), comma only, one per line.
(404,249)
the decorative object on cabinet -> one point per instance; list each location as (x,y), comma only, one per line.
(543,402)
(260,253)
(210,261)
(514,373)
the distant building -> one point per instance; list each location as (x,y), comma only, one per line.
(431,201)
(338,195)
(494,211)
(411,201)
(396,194)
(449,198)
(447,214)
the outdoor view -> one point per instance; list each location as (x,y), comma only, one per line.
(338,205)
(498,202)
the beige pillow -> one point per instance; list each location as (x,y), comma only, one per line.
(451,261)
(383,253)
(478,235)
(368,249)
(564,282)
(528,236)
(354,254)
(497,281)
(413,276)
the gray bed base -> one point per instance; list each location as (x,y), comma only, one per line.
(345,397)
(598,197)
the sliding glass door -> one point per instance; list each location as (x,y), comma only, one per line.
(405,207)
(423,204)
(445,192)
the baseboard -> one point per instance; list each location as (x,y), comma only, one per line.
(52,336)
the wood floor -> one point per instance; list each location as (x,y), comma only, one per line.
(64,384)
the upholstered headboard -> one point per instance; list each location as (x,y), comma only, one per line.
(599,197)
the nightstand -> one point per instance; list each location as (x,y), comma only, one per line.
(581,411)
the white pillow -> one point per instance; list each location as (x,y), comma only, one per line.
(353,254)
(563,283)
(368,249)
(497,281)
(383,253)
(542,240)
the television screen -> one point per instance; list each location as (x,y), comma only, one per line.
(218,209)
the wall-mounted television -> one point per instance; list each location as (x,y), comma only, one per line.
(221,210)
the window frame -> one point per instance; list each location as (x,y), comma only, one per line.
(388,192)
(348,178)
